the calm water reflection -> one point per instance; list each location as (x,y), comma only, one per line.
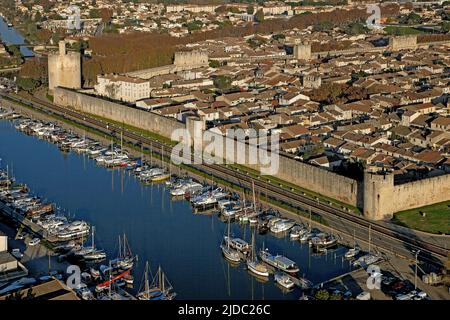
(159,230)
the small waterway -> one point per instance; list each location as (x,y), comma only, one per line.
(10,36)
(159,230)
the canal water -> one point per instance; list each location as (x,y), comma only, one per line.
(159,230)
(9,35)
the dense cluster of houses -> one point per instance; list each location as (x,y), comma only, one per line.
(400,124)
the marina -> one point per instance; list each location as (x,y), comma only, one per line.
(126,198)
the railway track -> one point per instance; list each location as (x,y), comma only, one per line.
(429,250)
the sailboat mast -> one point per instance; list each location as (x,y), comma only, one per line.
(253,246)
(121,142)
(254,198)
(228,238)
(120,247)
(146,277)
(49,262)
(310,225)
(93,237)
(151,154)
(127,249)
(159,277)
(112,148)
(110,278)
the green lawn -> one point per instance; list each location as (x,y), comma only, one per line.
(400,31)
(136,130)
(436,219)
(295,188)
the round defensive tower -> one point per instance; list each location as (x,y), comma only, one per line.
(64,68)
(379,202)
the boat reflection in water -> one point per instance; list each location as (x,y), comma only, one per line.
(167,232)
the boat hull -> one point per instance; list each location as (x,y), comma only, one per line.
(230,254)
(253,267)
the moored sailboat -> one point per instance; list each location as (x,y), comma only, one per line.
(228,252)
(125,260)
(160,289)
(254,265)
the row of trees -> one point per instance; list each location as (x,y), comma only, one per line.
(116,53)
(124,53)
(33,74)
(330,93)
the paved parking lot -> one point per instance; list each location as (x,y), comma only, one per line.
(37,259)
(400,270)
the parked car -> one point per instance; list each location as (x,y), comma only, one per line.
(419,295)
(363,296)
(347,295)
(387,281)
(17,254)
(407,296)
(34,242)
(398,286)
(21,236)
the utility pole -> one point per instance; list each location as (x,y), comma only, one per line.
(310,222)
(415,271)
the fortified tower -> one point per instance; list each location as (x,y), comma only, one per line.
(378,196)
(302,51)
(64,68)
(403,42)
(190,59)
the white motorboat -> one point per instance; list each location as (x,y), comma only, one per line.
(75,229)
(206,201)
(188,187)
(297,231)
(230,210)
(282,226)
(306,237)
(366,260)
(351,253)
(284,280)
(323,241)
